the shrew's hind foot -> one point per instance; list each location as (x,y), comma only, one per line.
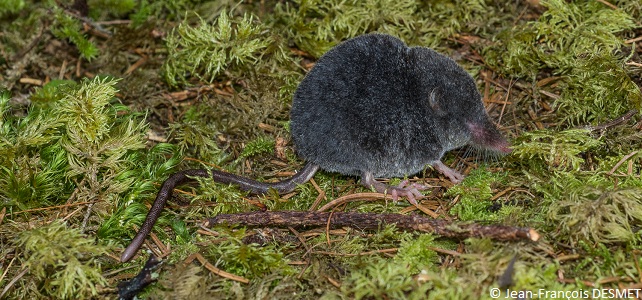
(410,191)
(452,174)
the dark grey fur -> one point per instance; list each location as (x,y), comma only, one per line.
(373,104)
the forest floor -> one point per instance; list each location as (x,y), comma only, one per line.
(101,101)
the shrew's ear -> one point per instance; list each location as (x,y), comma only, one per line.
(433,100)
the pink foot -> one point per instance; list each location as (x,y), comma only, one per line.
(453,175)
(411,192)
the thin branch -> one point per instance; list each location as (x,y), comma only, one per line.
(13,281)
(214,269)
(352,197)
(604,126)
(365,221)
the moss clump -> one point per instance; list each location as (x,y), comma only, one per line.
(598,216)
(564,33)
(75,144)
(415,253)
(31,167)
(228,197)
(249,260)
(383,279)
(316,26)
(205,51)
(556,150)
(578,41)
(11,6)
(64,263)
(67,27)
(194,132)
(598,88)
(474,195)
(258,146)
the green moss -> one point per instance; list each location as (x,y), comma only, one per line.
(474,194)
(30,181)
(141,14)
(196,133)
(382,279)
(117,7)
(73,138)
(249,261)
(67,27)
(75,144)
(598,88)
(66,264)
(258,146)
(554,150)
(562,34)
(316,26)
(578,41)
(205,51)
(414,253)
(11,6)
(53,91)
(598,216)
(228,197)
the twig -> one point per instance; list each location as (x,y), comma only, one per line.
(444,251)
(633,40)
(54,207)
(13,281)
(136,65)
(86,218)
(351,197)
(32,44)
(501,113)
(31,81)
(2,214)
(7,269)
(619,163)
(327,228)
(427,211)
(625,117)
(365,221)
(307,249)
(334,282)
(71,214)
(380,251)
(98,29)
(114,22)
(63,69)
(214,269)
(320,197)
(608,4)
(300,238)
